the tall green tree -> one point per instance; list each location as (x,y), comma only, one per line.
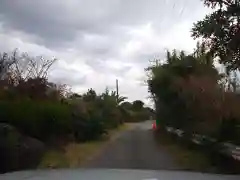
(90,95)
(221,31)
(169,83)
(137,105)
(107,95)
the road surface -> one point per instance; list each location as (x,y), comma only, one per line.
(134,149)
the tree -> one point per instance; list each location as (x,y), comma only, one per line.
(25,67)
(75,96)
(137,105)
(25,75)
(113,96)
(6,62)
(221,31)
(177,86)
(126,105)
(90,95)
(58,91)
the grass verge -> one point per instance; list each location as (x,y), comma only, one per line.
(76,154)
(187,158)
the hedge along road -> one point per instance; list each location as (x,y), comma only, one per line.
(134,148)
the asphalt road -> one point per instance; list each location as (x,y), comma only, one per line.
(134,149)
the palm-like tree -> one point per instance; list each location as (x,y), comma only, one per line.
(113,97)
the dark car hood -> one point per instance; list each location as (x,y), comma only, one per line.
(112,174)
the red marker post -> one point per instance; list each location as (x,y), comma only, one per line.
(155,125)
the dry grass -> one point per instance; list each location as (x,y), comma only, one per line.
(54,159)
(188,159)
(76,154)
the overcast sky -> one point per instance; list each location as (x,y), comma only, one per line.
(99,41)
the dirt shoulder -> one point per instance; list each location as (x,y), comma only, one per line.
(187,158)
(77,154)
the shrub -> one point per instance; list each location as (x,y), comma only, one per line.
(88,122)
(203,104)
(40,119)
(189,96)
(42,109)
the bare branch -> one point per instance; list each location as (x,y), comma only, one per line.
(24,67)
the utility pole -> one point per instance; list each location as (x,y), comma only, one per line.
(117,88)
(121,120)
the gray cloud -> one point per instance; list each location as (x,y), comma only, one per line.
(98,41)
(72,77)
(57,22)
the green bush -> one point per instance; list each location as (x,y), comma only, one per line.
(45,110)
(188,96)
(46,119)
(37,114)
(40,119)
(85,130)
(88,120)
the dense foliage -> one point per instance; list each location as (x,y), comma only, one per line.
(188,91)
(44,110)
(221,30)
(189,95)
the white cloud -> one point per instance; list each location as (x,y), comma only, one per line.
(99,42)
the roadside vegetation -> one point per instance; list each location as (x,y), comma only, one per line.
(189,159)
(38,115)
(54,127)
(73,155)
(190,94)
